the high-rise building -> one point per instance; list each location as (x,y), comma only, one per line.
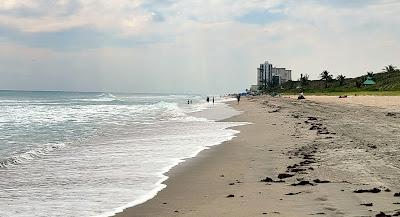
(267,75)
(264,74)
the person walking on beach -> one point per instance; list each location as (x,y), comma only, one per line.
(208,99)
(213,100)
(238,98)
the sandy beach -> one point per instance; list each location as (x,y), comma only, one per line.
(323,156)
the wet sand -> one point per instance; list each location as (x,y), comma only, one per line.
(297,158)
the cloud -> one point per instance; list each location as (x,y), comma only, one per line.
(39,8)
(260,17)
(350,3)
(78,38)
(49,15)
(196,45)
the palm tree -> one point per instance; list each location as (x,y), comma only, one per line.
(325,76)
(304,79)
(370,74)
(341,79)
(390,69)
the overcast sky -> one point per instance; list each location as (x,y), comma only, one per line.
(189,46)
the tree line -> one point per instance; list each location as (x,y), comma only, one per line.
(327,77)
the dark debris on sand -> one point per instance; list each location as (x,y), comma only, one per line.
(382,214)
(302,183)
(275,110)
(285,175)
(312,118)
(367,204)
(314,127)
(293,193)
(230,196)
(268,179)
(293,166)
(307,162)
(308,157)
(319,213)
(321,181)
(373,190)
(397,194)
(296,170)
(391,114)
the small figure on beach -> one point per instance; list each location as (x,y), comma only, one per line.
(213,100)
(188,102)
(208,99)
(238,98)
(301,96)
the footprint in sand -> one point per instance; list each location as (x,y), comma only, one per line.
(337,212)
(330,209)
(321,199)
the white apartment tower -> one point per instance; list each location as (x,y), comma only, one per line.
(268,75)
(264,74)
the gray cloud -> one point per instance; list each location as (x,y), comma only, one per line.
(190,46)
(77,38)
(346,3)
(43,8)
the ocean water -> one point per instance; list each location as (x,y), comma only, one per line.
(93,154)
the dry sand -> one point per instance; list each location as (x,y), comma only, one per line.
(354,146)
(384,102)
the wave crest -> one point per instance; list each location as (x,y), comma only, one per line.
(30,155)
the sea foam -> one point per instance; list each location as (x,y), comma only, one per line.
(94,154)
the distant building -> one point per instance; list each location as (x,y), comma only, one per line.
(268,75)
(254,88)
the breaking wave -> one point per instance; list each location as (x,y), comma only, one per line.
(30,155)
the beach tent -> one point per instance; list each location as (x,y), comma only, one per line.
(369,81)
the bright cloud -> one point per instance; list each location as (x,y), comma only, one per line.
(196,46)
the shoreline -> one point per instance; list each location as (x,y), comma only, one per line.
(186,168)
(184,165)
(226,180)
(221,112)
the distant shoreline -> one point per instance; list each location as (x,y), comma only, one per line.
(96,92)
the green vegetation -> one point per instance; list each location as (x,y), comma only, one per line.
(341,79)
(387,83)
(326,77)
(304,80)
